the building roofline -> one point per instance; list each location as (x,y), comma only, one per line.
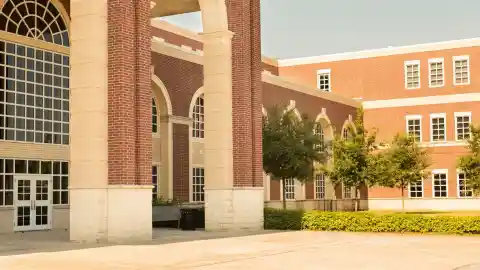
(267,77)
(164,25)
(436,46)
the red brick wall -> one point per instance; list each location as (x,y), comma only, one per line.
(244,21)
(129,92)
(143,97)
(181,78)
(65,3)
(181,162)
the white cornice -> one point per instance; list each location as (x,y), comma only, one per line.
(285,83)
(164,25)
(181,52)
(445,45)
(419,101)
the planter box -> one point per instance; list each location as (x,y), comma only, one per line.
(165,213)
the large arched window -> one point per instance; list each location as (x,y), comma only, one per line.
(198,118)
(34,82)
(38,19)
(154,117)
(321,135)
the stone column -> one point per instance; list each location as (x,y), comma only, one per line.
(233,176)
(109,191)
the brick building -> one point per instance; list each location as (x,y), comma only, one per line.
(98,103)
(430,91)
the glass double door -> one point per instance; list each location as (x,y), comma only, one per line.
(33,203)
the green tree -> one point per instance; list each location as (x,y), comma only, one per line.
(470,163)
(406,163)
(290,146)
(354,159)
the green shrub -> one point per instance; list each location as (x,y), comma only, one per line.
(276,219)
(370,222)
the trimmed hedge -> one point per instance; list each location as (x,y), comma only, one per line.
(370,222)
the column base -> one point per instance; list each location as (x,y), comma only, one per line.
(117,213)
(234,209)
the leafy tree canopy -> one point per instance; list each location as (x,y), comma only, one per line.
(470,163)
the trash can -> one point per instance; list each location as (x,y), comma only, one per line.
(187,220)
(199,218)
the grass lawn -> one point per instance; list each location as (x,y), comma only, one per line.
(431,213)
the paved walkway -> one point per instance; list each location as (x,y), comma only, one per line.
(175,250)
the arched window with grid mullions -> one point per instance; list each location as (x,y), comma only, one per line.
(321,135)
(154,117)
(34,73)
(198,118)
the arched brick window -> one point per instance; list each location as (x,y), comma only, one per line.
(198,130)
(320,133)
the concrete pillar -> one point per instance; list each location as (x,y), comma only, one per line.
(109,189)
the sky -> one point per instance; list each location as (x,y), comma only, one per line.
(299,28)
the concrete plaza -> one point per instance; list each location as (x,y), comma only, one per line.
(173,249)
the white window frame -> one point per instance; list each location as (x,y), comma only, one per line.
(157,165)
(193,184)
(461,114)
(439,171)
(461,58)
(438,115)
(458,186)
(316,186)
(345,188)
(285,189)
(436,61)
(325,72)
(412,62)
(414,117)
(423,191)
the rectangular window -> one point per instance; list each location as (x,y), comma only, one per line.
(320,186)
(58,170)
(198,185)
(347,192)
(324,80)
(436,73)
(462,125)
(289,189)
(464,190)
(414,127)
(461,70)
(440,184)
(438,127)
(415,190)
(412,74)
(155,182)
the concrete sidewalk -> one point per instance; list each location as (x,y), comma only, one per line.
(276,251)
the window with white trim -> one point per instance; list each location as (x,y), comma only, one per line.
(154,117)
(462,126)
(345,133)
(347,192)
(320,186)
(321,136)
(198,118)
(324,80)
(412,74)
(415,189)
(436,72)
(289,189)
(438,127)
(198,184)
(154,182)
(440,184)
(414,127)
(465,190)
(461,67)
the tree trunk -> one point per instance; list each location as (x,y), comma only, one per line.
(356,199)
(403,199)
(284,202)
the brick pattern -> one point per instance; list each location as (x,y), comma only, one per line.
(244,21)
(181,168)
(181,78)
(143,101)
(129,93)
